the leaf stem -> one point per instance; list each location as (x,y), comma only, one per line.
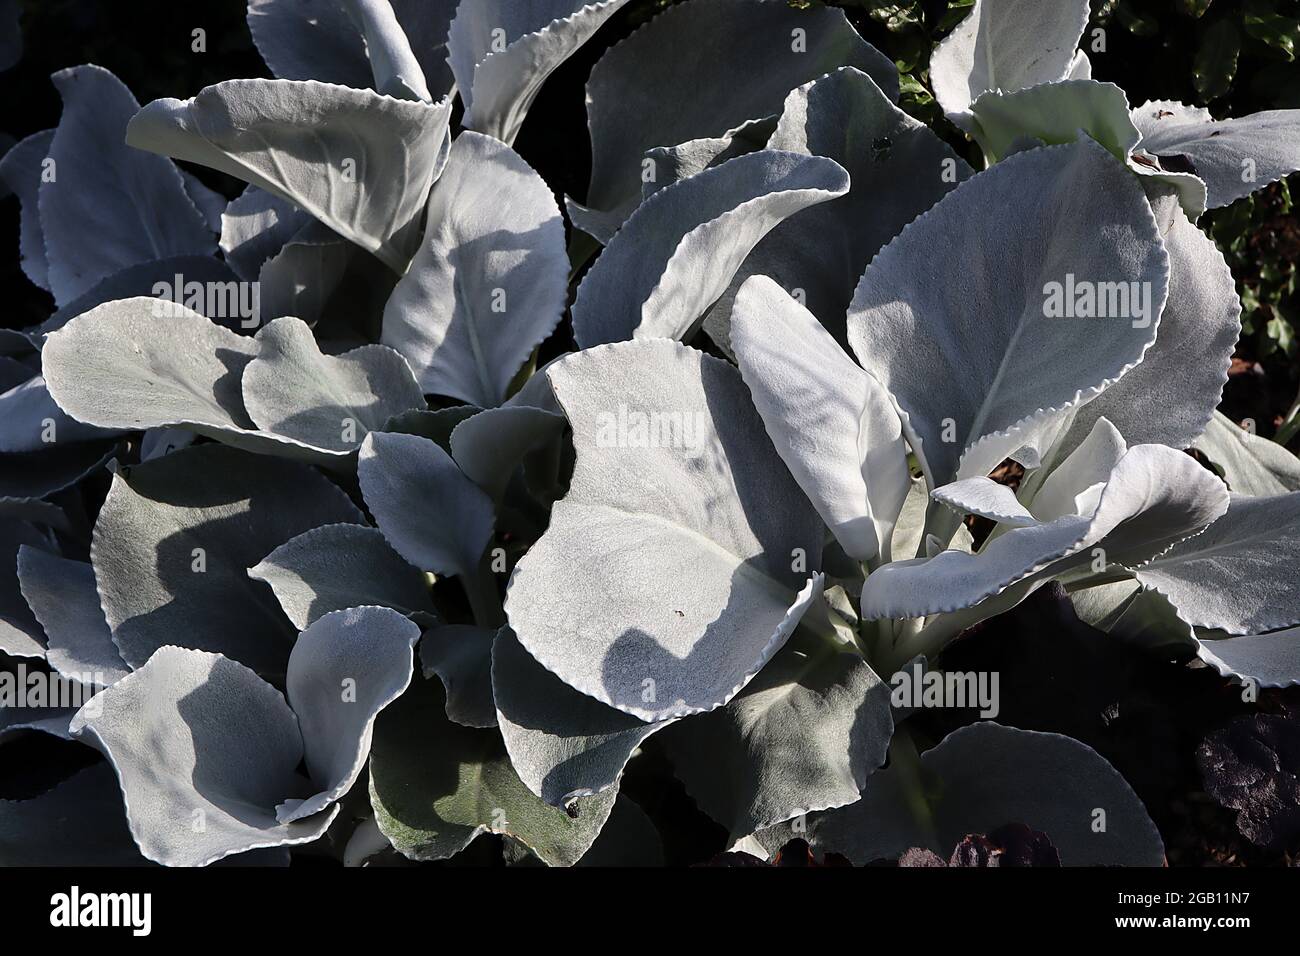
(1290,424)
(905,761)
(940,629)
(940,521)
(484,598)
(582,248)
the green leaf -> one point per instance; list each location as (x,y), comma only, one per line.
(908,85)
(957,11)
(1194,8)
(1233,222)
(1136,22)
(1281,332)
(894,17)
(436,785)
(1277,31)
(910,51)
(1215,64)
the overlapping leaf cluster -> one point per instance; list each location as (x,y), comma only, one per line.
(810,334)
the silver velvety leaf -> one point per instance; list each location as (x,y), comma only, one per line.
(359,162)
(897,170)
(673,81)
(1240,575)
(339,566)
(985,776)
(1006,45)
(562,743)
(1235,157)
(174,541)
(683,555)
(326,401)
(804,735)
(831,423)
(344,669)
(502,51)
(109,206)
(678,251)
(204,750)
(489,281)
(62,595)
(1036,315)
(432,515)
